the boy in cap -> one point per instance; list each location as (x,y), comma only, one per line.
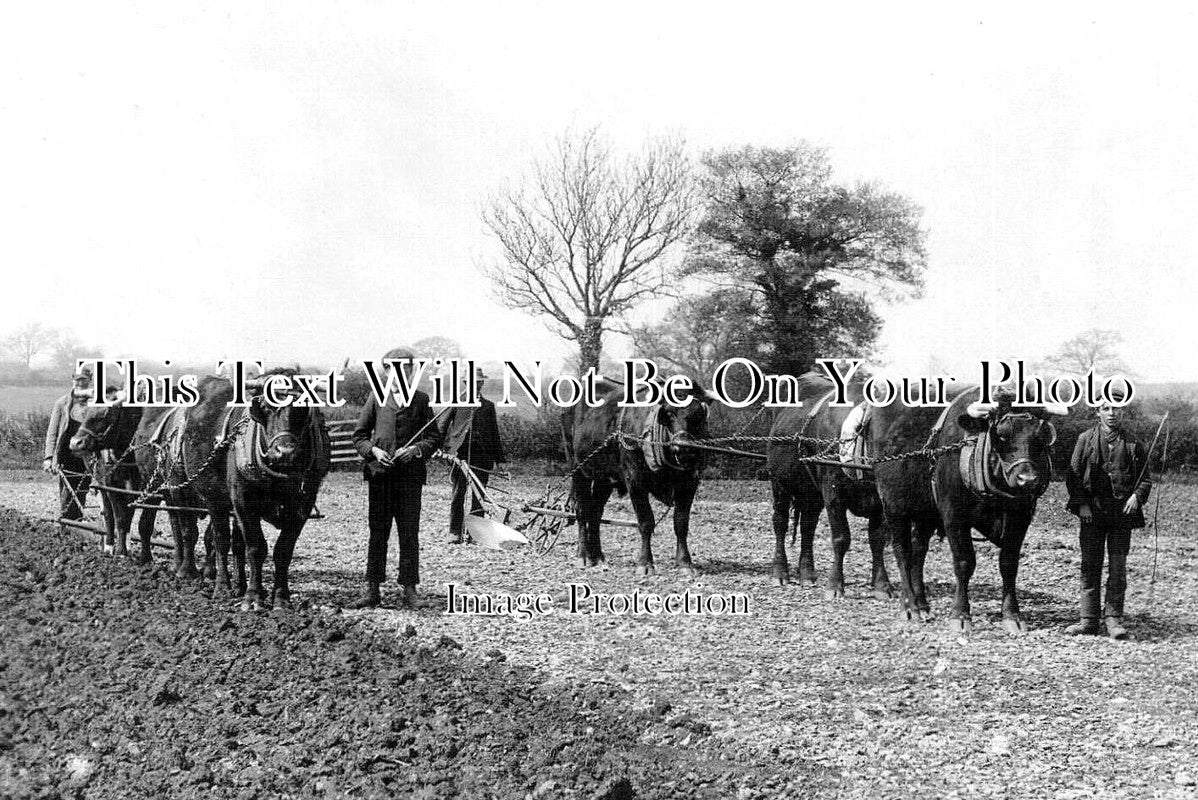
(1108,486)
(395,441)
(472,434)
(65,419)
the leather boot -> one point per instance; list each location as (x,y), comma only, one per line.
(407,596)
(455,538)
(1087,627)
(1115,629)
(369,598)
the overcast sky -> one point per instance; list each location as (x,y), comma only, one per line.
(302,182)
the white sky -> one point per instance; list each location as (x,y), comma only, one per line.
(301,182)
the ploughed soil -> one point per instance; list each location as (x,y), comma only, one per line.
(120,681)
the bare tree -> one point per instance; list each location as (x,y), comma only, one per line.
(67,350)
(1095,349)
(30,340)
(584,239)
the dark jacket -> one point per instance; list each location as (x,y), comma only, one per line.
(1090,479)
(390,428)
(472,434)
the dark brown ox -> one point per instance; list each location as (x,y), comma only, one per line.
(131,448)
(271,471)
(613,448)
(995,494)
(811,488)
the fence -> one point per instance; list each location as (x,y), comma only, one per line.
(340,433)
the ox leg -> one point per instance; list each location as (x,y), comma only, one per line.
(919,554)
(899,530)
(842,537)
(145,531)
(238,544)
(284,549)
(210,550)
(960,542)
(807,508)
(1015,526)
(880,580)
(782,503)
(112,526)
(178,537)
(220,553)
(591,496)
(646,522)
(123,519)
(189,524)
(684,498)
(255,552)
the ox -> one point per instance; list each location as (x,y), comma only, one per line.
(810,488)
(273,462)
(997,468)
(635,451)
(131,448)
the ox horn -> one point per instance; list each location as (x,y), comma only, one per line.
(1056,409)
(977,409)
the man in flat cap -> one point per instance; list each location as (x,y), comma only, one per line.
(65,419)
(1108,486)
(471,434)
(395,441)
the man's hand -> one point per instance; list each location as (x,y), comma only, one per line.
(1132,505)
(406,454)
(48,466)
(382,456)
(1084,513)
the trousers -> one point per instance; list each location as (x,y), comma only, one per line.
(1114,537)
(457,504)
(390,500)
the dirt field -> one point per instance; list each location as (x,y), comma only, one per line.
(803,696)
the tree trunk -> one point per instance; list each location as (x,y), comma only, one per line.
(590,345)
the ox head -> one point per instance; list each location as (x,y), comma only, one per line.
(107,427)
(1021,439)
(681,423)
(281,431)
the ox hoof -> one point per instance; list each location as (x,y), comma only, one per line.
(282,604)
(925,615)
(781,576)
(187,573)
(249,603)
(646,569)
(1014,626)
(807,578)
(907,615)
(961,625)
(209,573)
(883,593)
(834,593)
(109,550)
(221,591)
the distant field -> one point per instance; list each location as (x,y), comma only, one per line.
(19,399)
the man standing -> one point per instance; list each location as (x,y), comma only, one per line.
(395,441)
(472,434)
(65,419)
(1108,486)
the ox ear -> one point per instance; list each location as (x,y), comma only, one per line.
(258,410)
(972,424)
